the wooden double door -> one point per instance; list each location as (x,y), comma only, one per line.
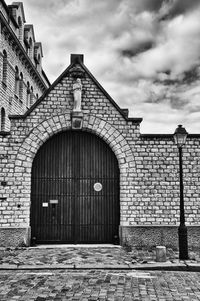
(75,190)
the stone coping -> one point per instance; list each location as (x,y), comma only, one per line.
(65,246)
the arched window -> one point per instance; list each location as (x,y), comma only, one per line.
(20,29)
(30,53)
(16,81)
(5,67)
(39,63)
(32,96)
(3,120)
(37,95)
(28,95)
(21,86)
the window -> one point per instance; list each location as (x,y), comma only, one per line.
(3,120)
(28,95)
(5,67)
(21,86)
(32,96)
(20,29)
(30,53)
(38,63)
(16,81)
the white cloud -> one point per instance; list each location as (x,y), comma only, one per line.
(139,59)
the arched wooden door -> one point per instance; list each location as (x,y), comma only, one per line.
(75,190)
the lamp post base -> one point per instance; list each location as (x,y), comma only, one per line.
(183,242)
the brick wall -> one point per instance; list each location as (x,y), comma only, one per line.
(12,103)
(155,185)
(149,183)
(17,56)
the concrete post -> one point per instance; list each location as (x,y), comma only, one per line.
(161,254)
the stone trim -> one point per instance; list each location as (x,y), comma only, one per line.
(163,136)
(41,133)
(166,136)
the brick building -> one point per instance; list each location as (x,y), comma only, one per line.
(89,175)
(22,80)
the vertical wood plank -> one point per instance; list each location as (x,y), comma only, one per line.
(66,168)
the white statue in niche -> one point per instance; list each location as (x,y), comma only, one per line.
(77,91)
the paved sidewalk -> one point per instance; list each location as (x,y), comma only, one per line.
(92,257)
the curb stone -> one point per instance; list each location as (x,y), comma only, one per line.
(190,267)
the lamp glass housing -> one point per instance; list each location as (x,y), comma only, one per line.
(180,136)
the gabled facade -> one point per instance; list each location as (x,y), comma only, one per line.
(38,54)
(29,40)
(22,79)
(84,173)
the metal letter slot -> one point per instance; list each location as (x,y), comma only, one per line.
(53,201)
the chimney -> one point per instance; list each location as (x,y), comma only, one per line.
(77,58)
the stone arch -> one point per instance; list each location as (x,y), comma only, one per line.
(47,128)
(43,131)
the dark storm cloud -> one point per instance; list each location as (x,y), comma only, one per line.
(192,75)
(186,78)
(145,5)
(144,46)
(171,8)
(182,6)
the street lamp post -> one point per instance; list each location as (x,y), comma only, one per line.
(180,137)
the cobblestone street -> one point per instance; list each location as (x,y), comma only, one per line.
(99,285)
(94,273)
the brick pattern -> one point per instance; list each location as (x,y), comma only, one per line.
(11,102)
(157,182)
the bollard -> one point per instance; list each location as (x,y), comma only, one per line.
(161,254)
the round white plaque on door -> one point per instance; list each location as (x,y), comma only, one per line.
(97,186)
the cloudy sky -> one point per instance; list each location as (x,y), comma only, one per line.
(145,53)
